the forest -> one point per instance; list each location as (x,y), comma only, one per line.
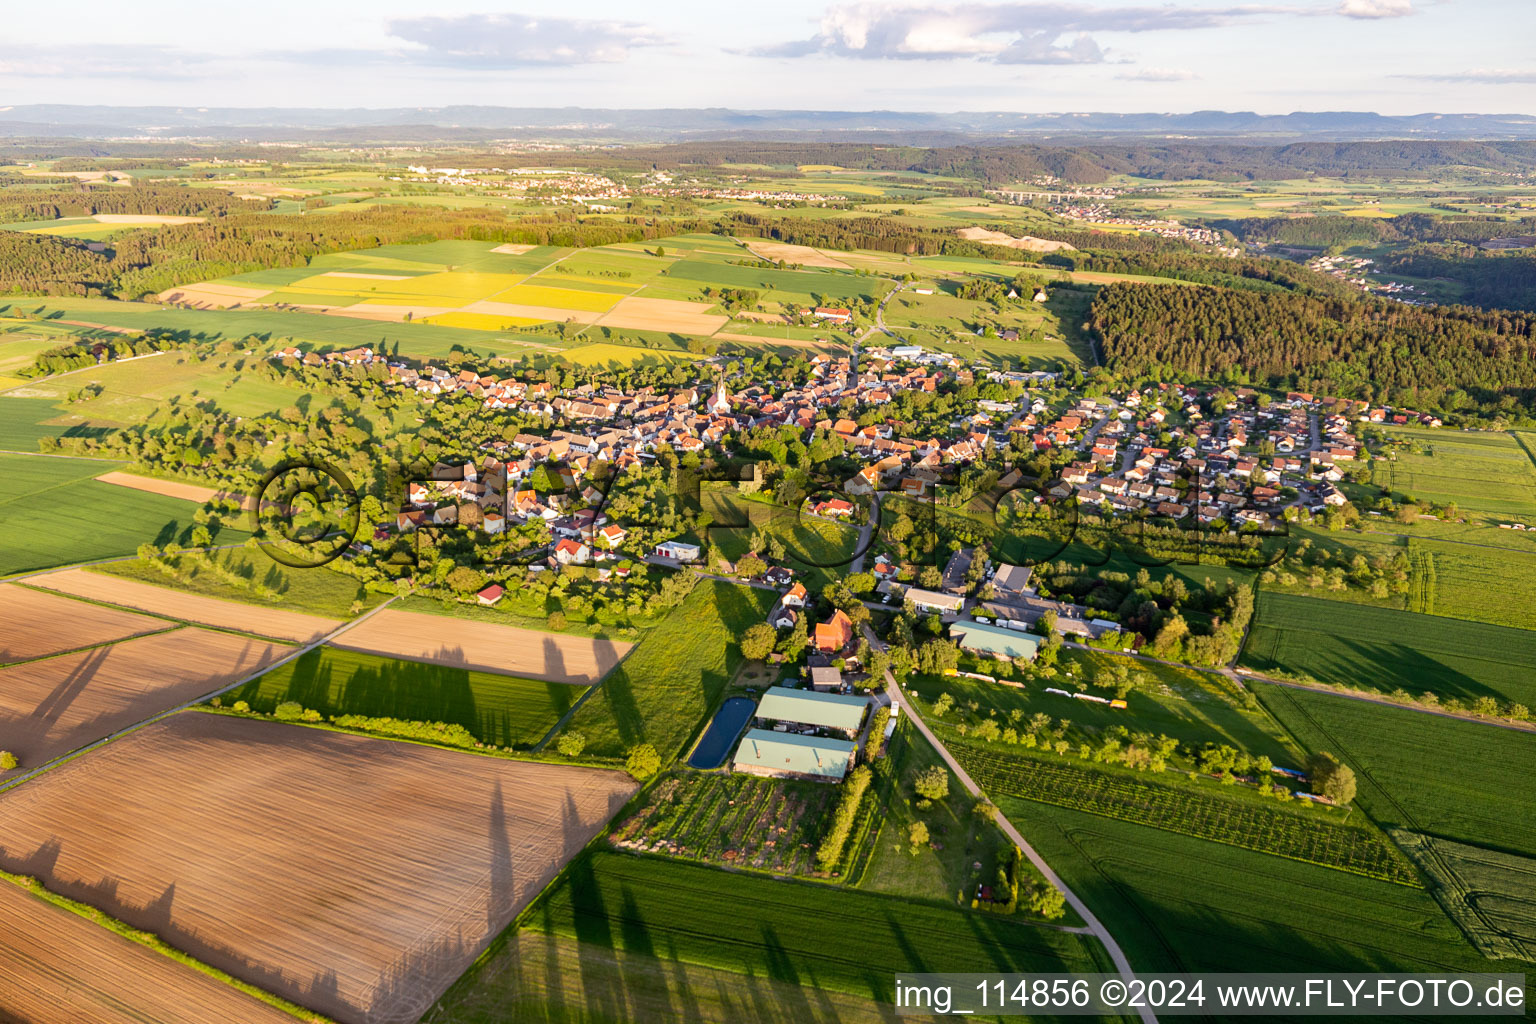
(1326,232)
(87,201)
(1450,359)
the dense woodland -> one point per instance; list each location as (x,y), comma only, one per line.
(1452,359)
(1326,232)
(1485,278)
(88,200)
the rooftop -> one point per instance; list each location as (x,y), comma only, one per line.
(791,752)
(1010,643)
(807,707)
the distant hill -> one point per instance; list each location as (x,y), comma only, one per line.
(677,124)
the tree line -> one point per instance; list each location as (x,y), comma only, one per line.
(1430,357)
(89,200)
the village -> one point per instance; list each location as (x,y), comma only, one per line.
(1219,461)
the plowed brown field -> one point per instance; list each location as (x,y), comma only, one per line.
(173,604)
(34,624)
(58,968)
(52,706)
(484,646)
(353,875)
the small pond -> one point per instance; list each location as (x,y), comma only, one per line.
(711,751)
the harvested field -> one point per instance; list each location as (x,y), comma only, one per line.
(664,315)
(1028,242)
(368,875)
(173,488)
(173,604)
(34,624)
(52,706)
(56,967)
(514,248)
(484,646)
(802,254)
(212,296)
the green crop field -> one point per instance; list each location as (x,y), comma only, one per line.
(318,591)
(25,421)
(1480,471)
(815,548)
(1466,781)
(1487,893)
(1378,648)
(55,514)
(796,284)
(136,390)
(502,710)
(1176,903)
(814,935)
(662,692)
(1252,824)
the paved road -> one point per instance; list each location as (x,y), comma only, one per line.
(1122,964)
(865,533)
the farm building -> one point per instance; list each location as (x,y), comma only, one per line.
(792,756)
(806,708)
(1012,579)
(826,678)
(679,550)
(929,601)
(994,641)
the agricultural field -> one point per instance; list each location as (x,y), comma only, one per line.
(1378,648)
(317,592)
(664,690)
(367,913)
(34,624)
(174,603)
(59,967)
(483,647)
(1482,472)
(24,422)
(1469,782)
(1177,903)
(1486,892)
(1192,706)
(501,710)
(1263,826)
(1049,332)
(732,820)
(51,706)
(56,514)
(648,906)
(817,549)
(548,979)
(136,390)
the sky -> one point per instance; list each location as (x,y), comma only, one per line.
(1388,56)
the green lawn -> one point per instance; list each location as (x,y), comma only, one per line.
(817,549)
(502,710)
(53,513)
(1466,781)
(1382,649)
(318,591)
(1194,707)
(663,691)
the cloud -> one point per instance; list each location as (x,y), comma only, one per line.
(109,61)
(1158,75)
(1376,8)
(1484,76)
(491,41)
(1006,33)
